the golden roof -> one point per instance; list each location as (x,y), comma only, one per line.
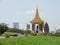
(37,19)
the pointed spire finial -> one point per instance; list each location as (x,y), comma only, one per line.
(37,11)
(37,6)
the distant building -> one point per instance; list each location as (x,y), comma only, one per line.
(28,26)
(16,25)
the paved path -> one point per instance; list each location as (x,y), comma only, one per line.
(2,37)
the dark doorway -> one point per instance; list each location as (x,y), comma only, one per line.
(37,29)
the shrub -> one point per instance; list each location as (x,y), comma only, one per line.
(14,35)
(7,34)
(32,33)
(56,34)
(22,32)
(27,32)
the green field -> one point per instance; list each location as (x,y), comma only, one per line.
(31,40)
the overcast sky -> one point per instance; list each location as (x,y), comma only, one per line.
(23,11)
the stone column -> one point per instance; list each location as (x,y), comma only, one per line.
(32,27)
(41,28)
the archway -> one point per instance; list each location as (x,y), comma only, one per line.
(36,28)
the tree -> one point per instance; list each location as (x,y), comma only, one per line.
(3,28)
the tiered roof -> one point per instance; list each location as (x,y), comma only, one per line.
(37,19)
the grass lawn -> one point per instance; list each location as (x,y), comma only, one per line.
(31,40)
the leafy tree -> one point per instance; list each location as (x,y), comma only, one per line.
(16,30)
(3,28)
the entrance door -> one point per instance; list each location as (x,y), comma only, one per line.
(36,28)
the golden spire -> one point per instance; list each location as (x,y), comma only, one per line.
(37,14)
(37,18)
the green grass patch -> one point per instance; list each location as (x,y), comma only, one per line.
(31,40)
